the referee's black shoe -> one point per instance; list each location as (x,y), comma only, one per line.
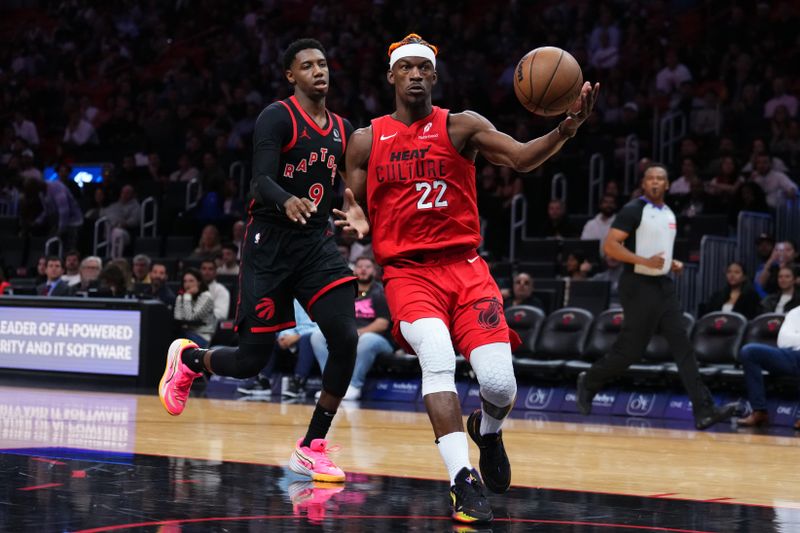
(714,415)
(495,468)
(468,498)
(583,396)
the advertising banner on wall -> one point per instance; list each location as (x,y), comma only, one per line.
(96,341)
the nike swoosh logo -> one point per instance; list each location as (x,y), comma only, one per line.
(473,259)
(387,137)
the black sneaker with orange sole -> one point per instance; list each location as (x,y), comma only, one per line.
(468,498)
(495,468)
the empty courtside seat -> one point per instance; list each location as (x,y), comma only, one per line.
(763,329)
(527,322)
(717,337)
(562,337)
(605,330)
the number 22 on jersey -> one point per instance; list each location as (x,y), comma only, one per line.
(438,188)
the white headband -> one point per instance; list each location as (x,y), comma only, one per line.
(412,50)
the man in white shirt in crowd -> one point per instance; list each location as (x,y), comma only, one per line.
(777,185)
(781,360)
(219,293)
(597,228)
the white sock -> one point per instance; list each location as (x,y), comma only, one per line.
(490,424)
(455,452)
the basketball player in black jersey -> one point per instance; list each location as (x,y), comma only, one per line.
(288,252)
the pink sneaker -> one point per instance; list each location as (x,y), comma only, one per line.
(177,379)
(313,461)
(310,497)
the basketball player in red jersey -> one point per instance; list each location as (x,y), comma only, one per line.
(413,172)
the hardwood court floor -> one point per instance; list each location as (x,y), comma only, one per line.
(737,467)
(745,468)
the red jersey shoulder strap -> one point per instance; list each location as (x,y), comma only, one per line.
(291,143)
(440,117)
(377,131)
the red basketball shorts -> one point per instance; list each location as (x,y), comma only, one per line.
(460,292)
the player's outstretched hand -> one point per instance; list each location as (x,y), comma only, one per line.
(351,218)
(582,107)
(299,209)
(677,266)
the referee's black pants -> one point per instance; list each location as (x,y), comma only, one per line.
(650,306)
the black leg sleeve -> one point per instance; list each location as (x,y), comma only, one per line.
(335,314)
(247,360)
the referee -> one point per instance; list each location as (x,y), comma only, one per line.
(642,236)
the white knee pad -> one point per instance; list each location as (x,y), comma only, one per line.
(495,372)
(430,339)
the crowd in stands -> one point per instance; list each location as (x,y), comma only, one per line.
(164,94)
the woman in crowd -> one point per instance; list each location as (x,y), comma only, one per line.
(210,245)
(194,309)
(738,295)
(787,297)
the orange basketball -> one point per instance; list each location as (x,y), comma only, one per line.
(547,81)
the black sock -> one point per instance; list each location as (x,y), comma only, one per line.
(193,358)
(319,425)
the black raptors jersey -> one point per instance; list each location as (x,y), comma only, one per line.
(290,148)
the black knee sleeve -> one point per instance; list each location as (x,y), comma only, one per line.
(496,411)
(245,361)
(335,315)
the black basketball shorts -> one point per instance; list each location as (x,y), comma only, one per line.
(279,265)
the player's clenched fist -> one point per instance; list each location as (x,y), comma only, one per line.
(299,209)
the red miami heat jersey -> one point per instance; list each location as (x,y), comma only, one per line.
(420,191)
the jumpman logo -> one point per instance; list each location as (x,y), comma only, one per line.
(305,134)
